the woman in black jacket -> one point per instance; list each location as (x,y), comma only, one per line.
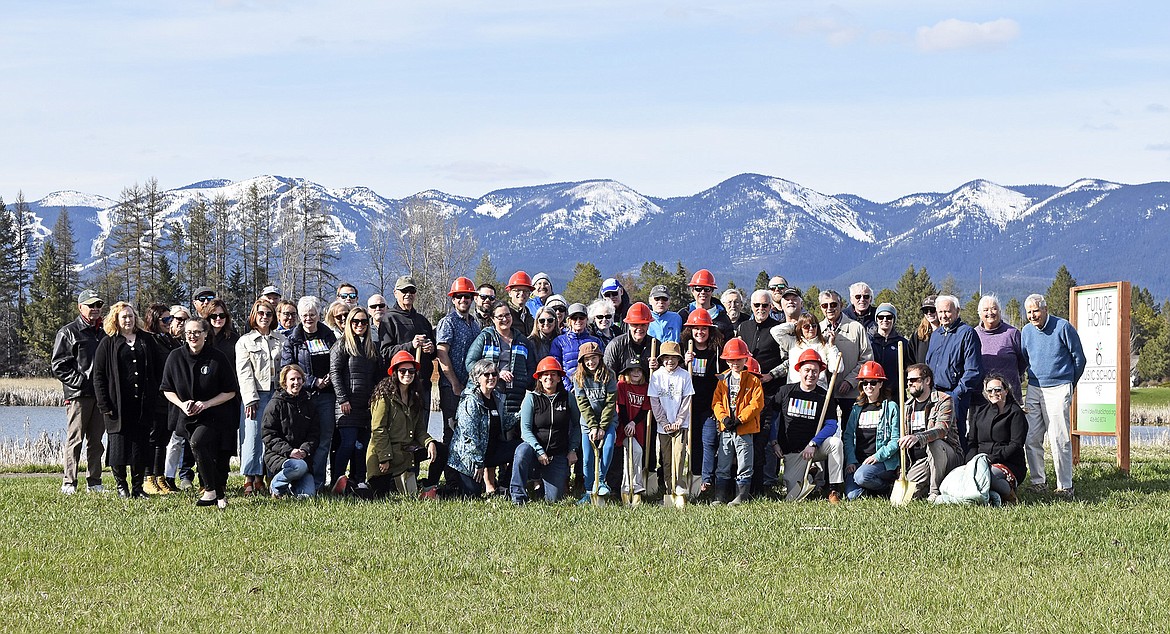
(998,428)
(201,383)
(308,346)
(290,436)
(125,382)
(353,364)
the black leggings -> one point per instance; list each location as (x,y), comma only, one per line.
(213,461)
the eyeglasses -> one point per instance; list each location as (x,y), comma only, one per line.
(610,294)
(407,371)
(360,322)
(288,313)
(809,327)
(490,375)
(193,333)
(465,296)
(755,305)
(167,320)
(994,390)
(408,291)
(547,320)
(179,319)
(914,379)
(263,313)
(703,289)
(503,317)
(778,287)
(577,317)
(205,298)
(214,316)
(929,311)
(486,298)
(870,383)
(377,306)
(339,316)
(347,296)
(830,305)
(885,318)
(560,309)
(604,317)
(97,304)
(862,296)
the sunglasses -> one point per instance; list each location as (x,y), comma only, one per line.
(97,304)
(193,333)
(885,318)
(610,294)
(830,305)
(205,298)
(702,289)
(870,383)
(360,322)
(862,296)
(777,288)
(490,375)
(994,390)
(604,317)
(755,305)
(347,296)
(486,298)
(217,316)
(377,306)
(407,371)
(929,311)
(167,320)
(466,296)
(560,309)
(264,313)
(578,317)
(287,313)
(546,320)
(407,291)
(913,379)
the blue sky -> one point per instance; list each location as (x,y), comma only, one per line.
(877,98)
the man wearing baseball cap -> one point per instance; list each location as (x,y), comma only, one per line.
(665,324)
(73,353)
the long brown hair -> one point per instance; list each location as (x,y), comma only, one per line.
(924,329)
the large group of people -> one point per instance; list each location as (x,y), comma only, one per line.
(737,395)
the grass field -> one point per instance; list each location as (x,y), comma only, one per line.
(98,563)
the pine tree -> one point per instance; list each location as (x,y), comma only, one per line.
(50,306)
(1154,362)
(762,280)
(382,228)
(9,290)
(167,290)
(22,249)
(237,295)
(680,292)
(124,247)
(584,285)
(969,312)
(486,273)
(650,275)
(175,241)
(1012,313)
(812,301)
(886,296)
(909,291)
(949,286)
(197,271)
(1057,295)
(223,242)
(255,233)
(66,246)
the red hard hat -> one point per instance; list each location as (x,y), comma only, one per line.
(639,313)
(461,285)
(699,317)
(810,356)
(871,370)
(753,366)
(547,364)
(735,349)
(399,358)
(518,279)
(703,277)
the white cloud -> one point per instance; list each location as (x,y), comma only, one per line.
(953,34)
(836,25)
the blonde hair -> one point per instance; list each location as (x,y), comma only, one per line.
(110,323)
(368,349)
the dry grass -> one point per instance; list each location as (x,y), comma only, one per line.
(36,392)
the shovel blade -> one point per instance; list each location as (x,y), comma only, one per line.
(805,490)
(903,492)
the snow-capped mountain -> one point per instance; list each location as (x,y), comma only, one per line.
(1017,235)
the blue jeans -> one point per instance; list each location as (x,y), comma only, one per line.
(710,445)
(733,444)
(294,474)
(554,475)
(251,447)
(351,452)
(606,456)
(869,478)
(323,406)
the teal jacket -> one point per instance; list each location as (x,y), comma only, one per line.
(888,432)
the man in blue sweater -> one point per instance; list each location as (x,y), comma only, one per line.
(1055,363)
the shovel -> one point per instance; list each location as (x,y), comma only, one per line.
(903,491)
(628,491)
(595,494)
(806,485)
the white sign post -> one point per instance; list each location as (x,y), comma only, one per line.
(1100,314)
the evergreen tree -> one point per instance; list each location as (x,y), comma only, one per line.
(730,284)
(255,233)
(680,293)
(124,245)
(486,273)
(223,240)
(762,280)
(50,307)
(812,302)
(66,246)
(22,249)
(380,248)
(584,285)
(238,296)
(9,290)
(167,290)
(197,271)
(887,296)
(969,311)
(949,286)
(650,275)
(909,291)
(1013,314)
(1154,362)
(1057,295)
(176,244)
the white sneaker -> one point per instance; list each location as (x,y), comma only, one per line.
(97,488)
(680,490)
(68,489)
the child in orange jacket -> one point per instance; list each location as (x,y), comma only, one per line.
(736,406)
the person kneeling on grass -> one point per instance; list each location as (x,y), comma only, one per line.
(595,389)
(550,424)
(796,438)
(398,429)
(737,404)
(290,433)
(999,429)
(871,436)
(633,408)
(483,426)
(932,446)
(670,393)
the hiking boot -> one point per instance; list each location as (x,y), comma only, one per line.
(1065,494)
(150,486)
(834,497)
(742,494)
(165,486)
(139,494)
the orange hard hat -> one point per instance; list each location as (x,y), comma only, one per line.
(810,356)
(547,364)
(461,285)
(639,313)
(753,366)
(518,279)
(399,358)
(871,370)
(699,317)
(703,277)
(735,349)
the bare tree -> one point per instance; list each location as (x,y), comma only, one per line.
(434,249)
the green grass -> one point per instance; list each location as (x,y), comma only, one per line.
(98,563)
(1149,397)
